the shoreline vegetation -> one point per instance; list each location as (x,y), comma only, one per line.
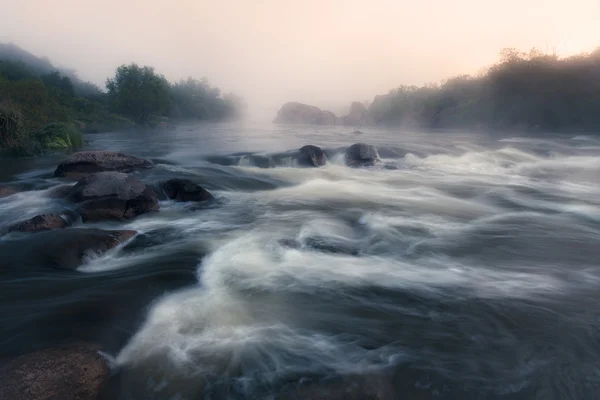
(526,91)
(44,108)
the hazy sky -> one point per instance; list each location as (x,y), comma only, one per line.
(324,52)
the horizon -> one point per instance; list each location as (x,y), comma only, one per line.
(311,53)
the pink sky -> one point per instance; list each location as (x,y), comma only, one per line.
(324,52)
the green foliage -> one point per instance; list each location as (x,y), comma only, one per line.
(42,108)
(59,136)
(138,93)
(11,125)
(533,91)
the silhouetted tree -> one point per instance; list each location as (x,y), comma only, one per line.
(138,92)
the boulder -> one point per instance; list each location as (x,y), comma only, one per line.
(6,191)
(361,155)
(112,195)
(359,115)
(311,156)
(58,192)
(68,372)
(46,222)
(80,164)
(185,190)
(298,113)
(61,249)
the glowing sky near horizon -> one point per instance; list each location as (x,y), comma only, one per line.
(324,52)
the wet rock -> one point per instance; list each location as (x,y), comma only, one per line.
(46,222)
(185,190)
(112,195)
(83,163)
(312,156)
(61,249)
(320,243)
(58,192)
(289,243)
(68,372)
(361,155)
(6,191)
(329,245)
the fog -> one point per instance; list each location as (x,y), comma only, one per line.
(326,53)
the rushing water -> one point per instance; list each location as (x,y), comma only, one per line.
(471,271)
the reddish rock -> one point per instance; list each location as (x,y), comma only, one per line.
(68,372)
(45,222)
(112,195)
(83,163)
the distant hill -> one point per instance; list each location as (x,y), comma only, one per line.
(38,65)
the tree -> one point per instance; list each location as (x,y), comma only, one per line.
(138,92)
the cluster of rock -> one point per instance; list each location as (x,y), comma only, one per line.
(299,113)
(104,191)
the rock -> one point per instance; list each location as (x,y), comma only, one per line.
(46,222)
(58,192)
(359,115)
(68,372)
(112,195)
(327,245)
(312,156)
(289,243)
(298,113)
(6,191)
(361,155)
(61,249)
(80,164)
(185,190)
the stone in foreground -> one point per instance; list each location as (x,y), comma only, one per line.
(61,249)
(312,156)
(46,222)
(184,190)
(68,372)
(112,196)
(83,163)
(361,155)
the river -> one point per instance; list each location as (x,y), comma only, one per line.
(466,268)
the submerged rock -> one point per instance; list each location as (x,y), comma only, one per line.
(185,190)
(84,163)
(320,243)
(361,155)
(68,372)
(312,156)
(298,113)
(46,222)
(112,195)
(58,192)
(6,191)
(61,249)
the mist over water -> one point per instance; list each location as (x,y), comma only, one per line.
(463,266)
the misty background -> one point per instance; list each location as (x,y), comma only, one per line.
(326,53)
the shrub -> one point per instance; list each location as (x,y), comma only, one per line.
(59,136)
(11,125)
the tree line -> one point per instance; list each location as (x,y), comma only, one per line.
(42,110)
(523,90)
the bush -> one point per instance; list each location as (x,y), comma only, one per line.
(59,136)
(11,125)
